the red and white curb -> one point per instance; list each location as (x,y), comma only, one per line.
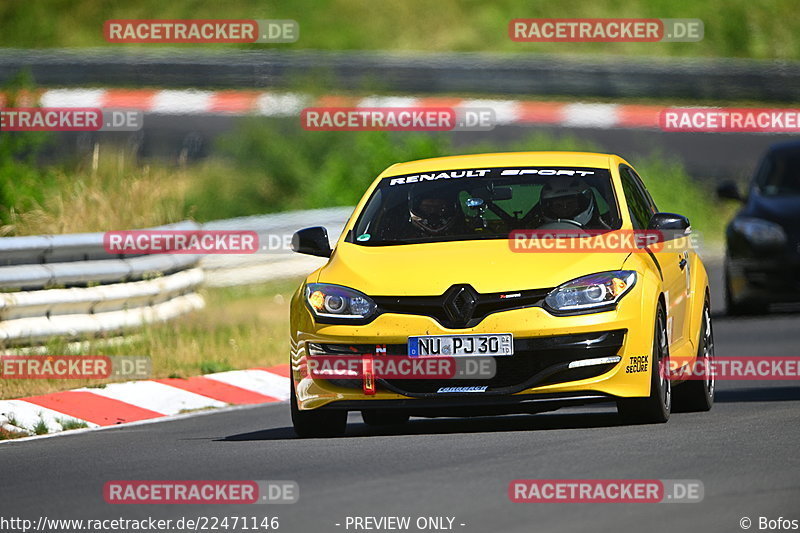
(136,401)
(289,104)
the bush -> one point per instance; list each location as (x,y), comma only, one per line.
(23,184)
(268,167)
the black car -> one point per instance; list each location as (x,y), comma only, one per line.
(762,260)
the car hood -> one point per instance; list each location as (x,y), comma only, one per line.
(783,209)
(430,269)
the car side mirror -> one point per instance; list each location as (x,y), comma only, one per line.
(669,222)
(312,241)
(729,191)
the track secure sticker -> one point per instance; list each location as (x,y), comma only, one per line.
(639,363)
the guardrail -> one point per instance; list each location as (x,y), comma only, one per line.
(68,286)
(421,73)
(225,270)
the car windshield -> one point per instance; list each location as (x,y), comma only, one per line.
(780,174)
(489,203)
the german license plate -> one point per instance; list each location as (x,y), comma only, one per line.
(494,344)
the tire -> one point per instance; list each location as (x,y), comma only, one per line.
(698,395)
(317,423)
(384,417)
(734,307)
(656,408)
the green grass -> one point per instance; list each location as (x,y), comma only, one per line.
(68,424)
(733,28)
(212,367)
(40,428)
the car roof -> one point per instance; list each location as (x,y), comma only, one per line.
(554,159)
(786,146)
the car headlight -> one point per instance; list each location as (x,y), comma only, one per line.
(759,231)
(590,292)
(335,301)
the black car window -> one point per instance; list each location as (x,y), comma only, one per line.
(645,193)
(780,174)
(472,204)
(640,207)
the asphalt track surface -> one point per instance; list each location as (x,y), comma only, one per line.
(745,451)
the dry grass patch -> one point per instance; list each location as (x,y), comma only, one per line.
(111,193)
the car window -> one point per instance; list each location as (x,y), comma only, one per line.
(471,204)
(645,193)
(640,206)
(780,174)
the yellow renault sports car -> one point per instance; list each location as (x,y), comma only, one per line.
(426,267)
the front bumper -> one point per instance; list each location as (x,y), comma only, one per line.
(476,406)
(536,361)
(544,345)
(768,280)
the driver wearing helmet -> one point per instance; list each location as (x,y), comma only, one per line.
(571,203)
(434,211)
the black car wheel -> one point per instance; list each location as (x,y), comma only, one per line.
(738,307)
(316,423)
(698,395)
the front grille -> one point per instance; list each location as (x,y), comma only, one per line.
(460,306)
(536,361)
